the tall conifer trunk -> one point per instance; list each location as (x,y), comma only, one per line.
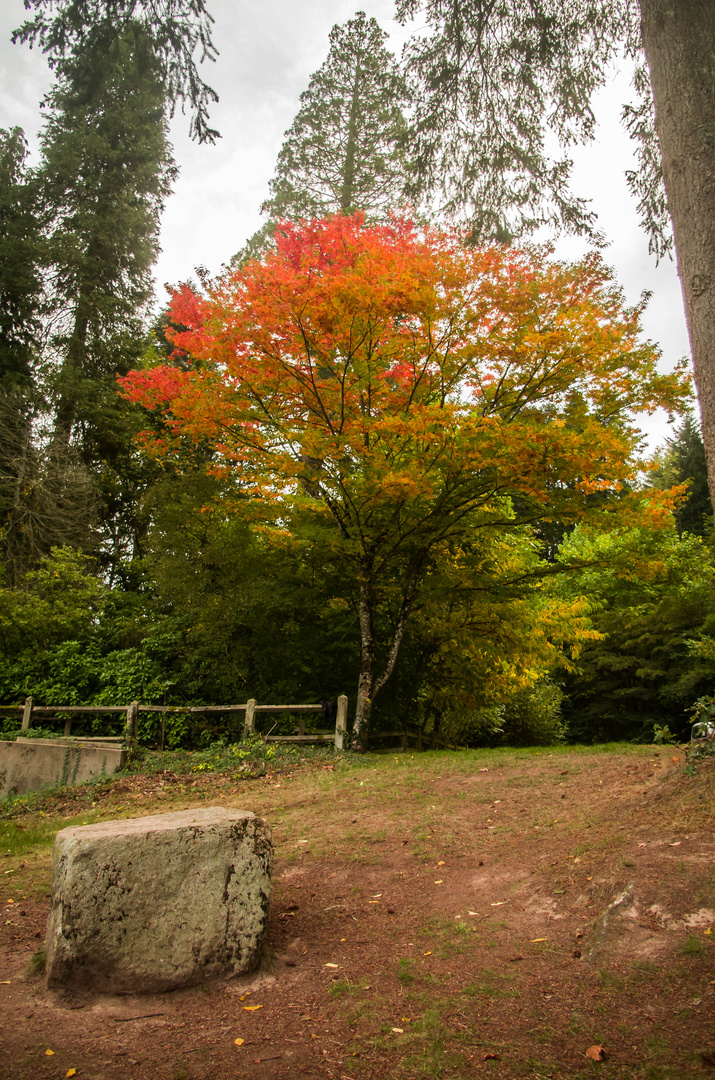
(348,185)
(679,42)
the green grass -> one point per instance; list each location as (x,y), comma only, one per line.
(692,947)
(17,840)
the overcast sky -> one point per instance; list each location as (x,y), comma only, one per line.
(268,52)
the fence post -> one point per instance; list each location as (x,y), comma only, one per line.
(68,726)
(131,730)
(27,714)
(249,724)
(341,723)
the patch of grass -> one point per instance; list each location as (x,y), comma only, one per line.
(643,968)
(608,979)
(17,839)
(347,987)
(404,971)
(37,963)
(483,989)
(692,947)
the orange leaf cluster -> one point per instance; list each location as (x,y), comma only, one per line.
(370,367)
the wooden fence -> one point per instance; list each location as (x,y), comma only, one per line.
(129,716)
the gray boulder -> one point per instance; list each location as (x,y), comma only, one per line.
(156,903)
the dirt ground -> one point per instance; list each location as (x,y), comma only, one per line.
(487,914)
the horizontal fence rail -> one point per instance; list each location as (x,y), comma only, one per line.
(130,716)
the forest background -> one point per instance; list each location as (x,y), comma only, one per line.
(127,576)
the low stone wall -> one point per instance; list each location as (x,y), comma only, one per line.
(30,764)
(157,903)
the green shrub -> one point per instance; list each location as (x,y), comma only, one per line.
(532,716)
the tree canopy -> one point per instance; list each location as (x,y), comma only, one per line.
(403,390)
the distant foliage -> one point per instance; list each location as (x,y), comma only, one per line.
(653,599)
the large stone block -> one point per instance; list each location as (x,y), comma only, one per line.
(30,764)
(156,903)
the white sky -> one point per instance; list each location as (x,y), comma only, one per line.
(268,52)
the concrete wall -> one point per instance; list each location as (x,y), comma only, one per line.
(30,764)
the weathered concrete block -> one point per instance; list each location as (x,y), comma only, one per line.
(156,903)
(30,764)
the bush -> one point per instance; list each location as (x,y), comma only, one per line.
(532,716)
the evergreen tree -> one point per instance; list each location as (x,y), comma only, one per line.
(20,279)
(105,174)
(345,150)
(683,461)
(67,29)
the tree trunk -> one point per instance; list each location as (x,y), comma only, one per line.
(369,685)
(70,377)
(679,42)
(347,192)
(367,664)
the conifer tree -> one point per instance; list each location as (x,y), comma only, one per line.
(683,461)
(20,279)
(345,150)
(177,29)
(105,173)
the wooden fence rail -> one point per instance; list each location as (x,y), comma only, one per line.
(130,715)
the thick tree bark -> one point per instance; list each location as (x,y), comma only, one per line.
(679,42)
(367,664)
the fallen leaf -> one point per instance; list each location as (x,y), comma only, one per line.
(252,1008)
(491,1057)
(499,903)
(440,882)
(71,1072)
(428,953)
(484,770)
(441,863)
(596,1053)
(6,982)
(535,939)
(677,843)
(238,1042)
(399,1031)
(708,932)
(49,1053)
(331,965)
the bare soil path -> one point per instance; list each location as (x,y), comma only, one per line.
(492,914)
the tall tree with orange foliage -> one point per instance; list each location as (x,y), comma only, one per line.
(404,390)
